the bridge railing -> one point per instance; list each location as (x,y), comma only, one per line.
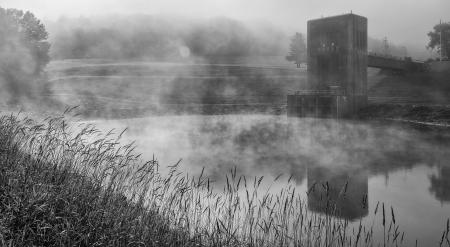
(319,92)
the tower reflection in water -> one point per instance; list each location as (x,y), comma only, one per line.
(440,184)
(340,192)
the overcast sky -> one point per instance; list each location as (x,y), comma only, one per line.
(402,21)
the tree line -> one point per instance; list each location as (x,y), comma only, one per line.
(156,38)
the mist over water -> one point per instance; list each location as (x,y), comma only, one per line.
(119,39)
(253,142)
(103,88)
(377,162)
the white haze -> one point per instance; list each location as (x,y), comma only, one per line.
(404,22)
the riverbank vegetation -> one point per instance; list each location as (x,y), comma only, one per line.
(58,190)
(63,183)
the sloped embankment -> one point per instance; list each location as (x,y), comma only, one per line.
(420,114)
(432,88)
(58,190)
(419,97)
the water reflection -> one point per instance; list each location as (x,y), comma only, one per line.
(341,191)
(376,162)
(440,184)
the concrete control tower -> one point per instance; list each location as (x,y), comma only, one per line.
(337,69)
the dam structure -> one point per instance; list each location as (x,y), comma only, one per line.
(337,69)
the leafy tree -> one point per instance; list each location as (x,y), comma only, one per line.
(23,53)
(29,32)
(435,39)
(297,50)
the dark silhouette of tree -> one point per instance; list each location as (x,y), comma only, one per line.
(297,50)
(435,39)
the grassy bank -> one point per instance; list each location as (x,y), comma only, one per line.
(62,184)
(59,190)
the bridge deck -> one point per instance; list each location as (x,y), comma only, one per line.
(393,63)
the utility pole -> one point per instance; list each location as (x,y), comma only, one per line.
(386,46)
(440,39)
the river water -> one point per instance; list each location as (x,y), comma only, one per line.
(404,168)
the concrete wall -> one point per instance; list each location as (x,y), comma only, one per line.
(443,66)
(324,106)
(315,106)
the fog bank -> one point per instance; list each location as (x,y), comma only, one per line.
(162,38)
